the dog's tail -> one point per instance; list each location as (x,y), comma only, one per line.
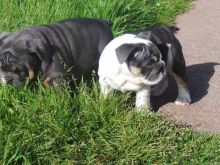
(173,29)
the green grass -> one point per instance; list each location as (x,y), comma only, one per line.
(127,15)
(47,126)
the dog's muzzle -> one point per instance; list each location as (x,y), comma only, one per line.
(11,78)
(156,71)
(14,71)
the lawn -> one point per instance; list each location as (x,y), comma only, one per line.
(41,125)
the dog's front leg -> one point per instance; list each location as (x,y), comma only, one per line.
(143,98)
(55,71)
(105,88)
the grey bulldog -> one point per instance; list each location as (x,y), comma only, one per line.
(75,44)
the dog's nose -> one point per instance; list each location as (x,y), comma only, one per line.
(162,63)
(161,69)
(161,66)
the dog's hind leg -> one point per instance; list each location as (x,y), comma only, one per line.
(177,68)
(179,73)
(183,97)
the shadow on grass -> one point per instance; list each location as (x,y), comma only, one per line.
(199,76)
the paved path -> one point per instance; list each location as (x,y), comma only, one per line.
(200,37)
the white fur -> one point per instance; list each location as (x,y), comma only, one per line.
(183,97)
(143,98)
(113,75)
(108,63)
(170,56)
(2,79)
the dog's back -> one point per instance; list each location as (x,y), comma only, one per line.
(158,35)
(77,37)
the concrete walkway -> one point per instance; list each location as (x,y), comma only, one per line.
(200,37)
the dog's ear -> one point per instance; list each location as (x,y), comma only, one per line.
(4,35)
(42,49)
(145,35)
(124,51)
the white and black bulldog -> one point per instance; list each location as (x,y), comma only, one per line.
(73,45)
(141,62)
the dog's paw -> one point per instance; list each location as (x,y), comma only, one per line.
(105,90)
(183,99)
(143,106)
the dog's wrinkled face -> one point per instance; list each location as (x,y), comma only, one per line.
(17,69)
(143,60)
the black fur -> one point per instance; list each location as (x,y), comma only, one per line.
(74,44)
(161,36)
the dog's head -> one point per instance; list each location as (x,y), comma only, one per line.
(20,59)
(17,68)
(143,60)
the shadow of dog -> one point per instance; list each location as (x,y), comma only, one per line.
(199,76)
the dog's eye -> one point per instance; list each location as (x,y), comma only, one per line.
(32,54)
(157,55)
(22,73)
(138,51)
(19,71)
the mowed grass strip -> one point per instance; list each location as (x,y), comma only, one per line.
(41,125)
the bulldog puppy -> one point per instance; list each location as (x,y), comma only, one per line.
(141,62)
(72,45)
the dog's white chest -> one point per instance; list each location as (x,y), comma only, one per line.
(122,80)
(122,83)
